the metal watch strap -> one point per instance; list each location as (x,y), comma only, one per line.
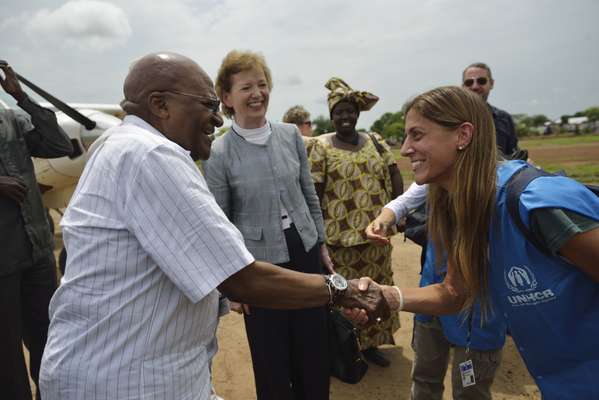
(332,290)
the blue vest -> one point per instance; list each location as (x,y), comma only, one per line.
(490,336)
(551,307)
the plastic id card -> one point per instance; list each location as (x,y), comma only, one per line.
(467,373)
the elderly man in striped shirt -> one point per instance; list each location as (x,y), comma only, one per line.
(148,247)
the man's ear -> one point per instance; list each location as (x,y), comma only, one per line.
(465,132)
(158,105)
(491,82)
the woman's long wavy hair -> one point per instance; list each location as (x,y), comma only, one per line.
(459,219)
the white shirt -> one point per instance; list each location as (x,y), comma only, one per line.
(409,200)
(253,135)
(147,246)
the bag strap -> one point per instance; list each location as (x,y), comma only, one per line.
(379,147)
(514,188)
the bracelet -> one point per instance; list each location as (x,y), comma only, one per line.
(400,294)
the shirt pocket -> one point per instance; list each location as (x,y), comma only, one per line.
(251,232)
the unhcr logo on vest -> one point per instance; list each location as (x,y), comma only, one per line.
(522,281)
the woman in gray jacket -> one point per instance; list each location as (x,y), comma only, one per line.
(259,174)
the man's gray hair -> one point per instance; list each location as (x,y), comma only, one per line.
(478,65)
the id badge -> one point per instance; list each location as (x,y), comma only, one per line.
(467,373)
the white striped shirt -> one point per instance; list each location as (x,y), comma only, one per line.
(147,246)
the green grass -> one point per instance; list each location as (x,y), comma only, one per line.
(528,143)
(585,173)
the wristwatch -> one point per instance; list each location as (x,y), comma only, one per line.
(337,285)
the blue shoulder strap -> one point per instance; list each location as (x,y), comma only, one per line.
(514,188)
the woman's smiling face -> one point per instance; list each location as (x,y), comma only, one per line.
(248,97)
(432,149)
(345,116)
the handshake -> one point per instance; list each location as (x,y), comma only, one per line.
(363,300)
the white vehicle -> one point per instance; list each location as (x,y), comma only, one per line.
(59,176)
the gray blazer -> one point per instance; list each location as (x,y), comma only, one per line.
(249,181)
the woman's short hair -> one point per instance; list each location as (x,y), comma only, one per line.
(296,115)
(237,61)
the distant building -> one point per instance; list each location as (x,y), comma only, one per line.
(581,125)
(577,120)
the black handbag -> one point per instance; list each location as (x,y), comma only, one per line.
(345,357)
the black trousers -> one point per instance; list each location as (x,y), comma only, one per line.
(24,300)
(290,348)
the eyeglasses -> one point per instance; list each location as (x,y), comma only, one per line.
(309,123)
(482,81)
(210,103)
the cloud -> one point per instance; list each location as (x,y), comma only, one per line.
(85,24)
(291,80)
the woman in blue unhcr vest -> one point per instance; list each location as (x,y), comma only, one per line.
(470,340)
(548,297)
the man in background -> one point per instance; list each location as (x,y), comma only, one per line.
(477,77)
(27,265)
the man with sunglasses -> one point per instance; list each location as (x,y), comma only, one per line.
(477,77)
(137,309)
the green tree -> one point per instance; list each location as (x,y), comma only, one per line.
(394,130)
(592,113)
(539,119)
(522,129)
(322,125)
(534,120)
(390,125)
(379,125)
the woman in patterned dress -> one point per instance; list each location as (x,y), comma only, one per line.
(355,176)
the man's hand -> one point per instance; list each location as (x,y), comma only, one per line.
(325,258)
(366,295)
(359,316)
(10,83)
(13,188)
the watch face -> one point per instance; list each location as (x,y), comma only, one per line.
(339,282)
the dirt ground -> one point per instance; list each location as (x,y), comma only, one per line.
(232,368)
(570,154)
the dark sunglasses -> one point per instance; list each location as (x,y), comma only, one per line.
(210,103)
(482,81)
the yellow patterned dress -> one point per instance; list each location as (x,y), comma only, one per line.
(357,186)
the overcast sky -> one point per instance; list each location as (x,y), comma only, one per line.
(544,53)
